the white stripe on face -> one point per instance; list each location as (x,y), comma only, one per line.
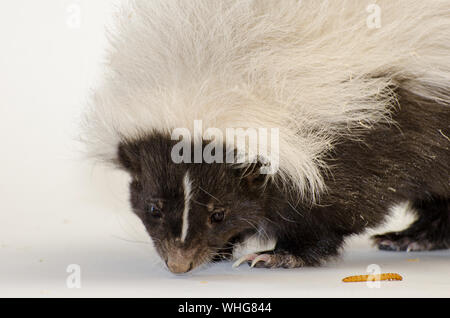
(187,188)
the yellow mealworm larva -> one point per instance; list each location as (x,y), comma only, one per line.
(365,278)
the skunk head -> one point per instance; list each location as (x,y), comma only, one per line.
(191,211)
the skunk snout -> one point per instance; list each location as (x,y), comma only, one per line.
(180,261)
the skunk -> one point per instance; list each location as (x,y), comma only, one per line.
(356,93)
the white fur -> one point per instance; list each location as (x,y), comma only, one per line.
(187,189)
(312,68)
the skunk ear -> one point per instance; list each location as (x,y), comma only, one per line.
(129,158)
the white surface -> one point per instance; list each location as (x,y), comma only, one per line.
(57,209)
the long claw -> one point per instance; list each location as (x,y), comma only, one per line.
(243,259)
(263,257)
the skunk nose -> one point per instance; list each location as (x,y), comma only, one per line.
(179,262)
(179,268)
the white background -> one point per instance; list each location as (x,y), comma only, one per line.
(58,209)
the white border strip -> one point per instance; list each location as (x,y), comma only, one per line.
(187,188)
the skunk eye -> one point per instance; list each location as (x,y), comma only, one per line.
(217,217)
(153,211)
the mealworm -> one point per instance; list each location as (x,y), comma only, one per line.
(365,278)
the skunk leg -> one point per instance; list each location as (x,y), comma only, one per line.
(431,231)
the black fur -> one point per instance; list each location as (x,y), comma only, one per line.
(429,232)
(389,164)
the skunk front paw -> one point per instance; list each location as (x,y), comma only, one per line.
(271,260)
